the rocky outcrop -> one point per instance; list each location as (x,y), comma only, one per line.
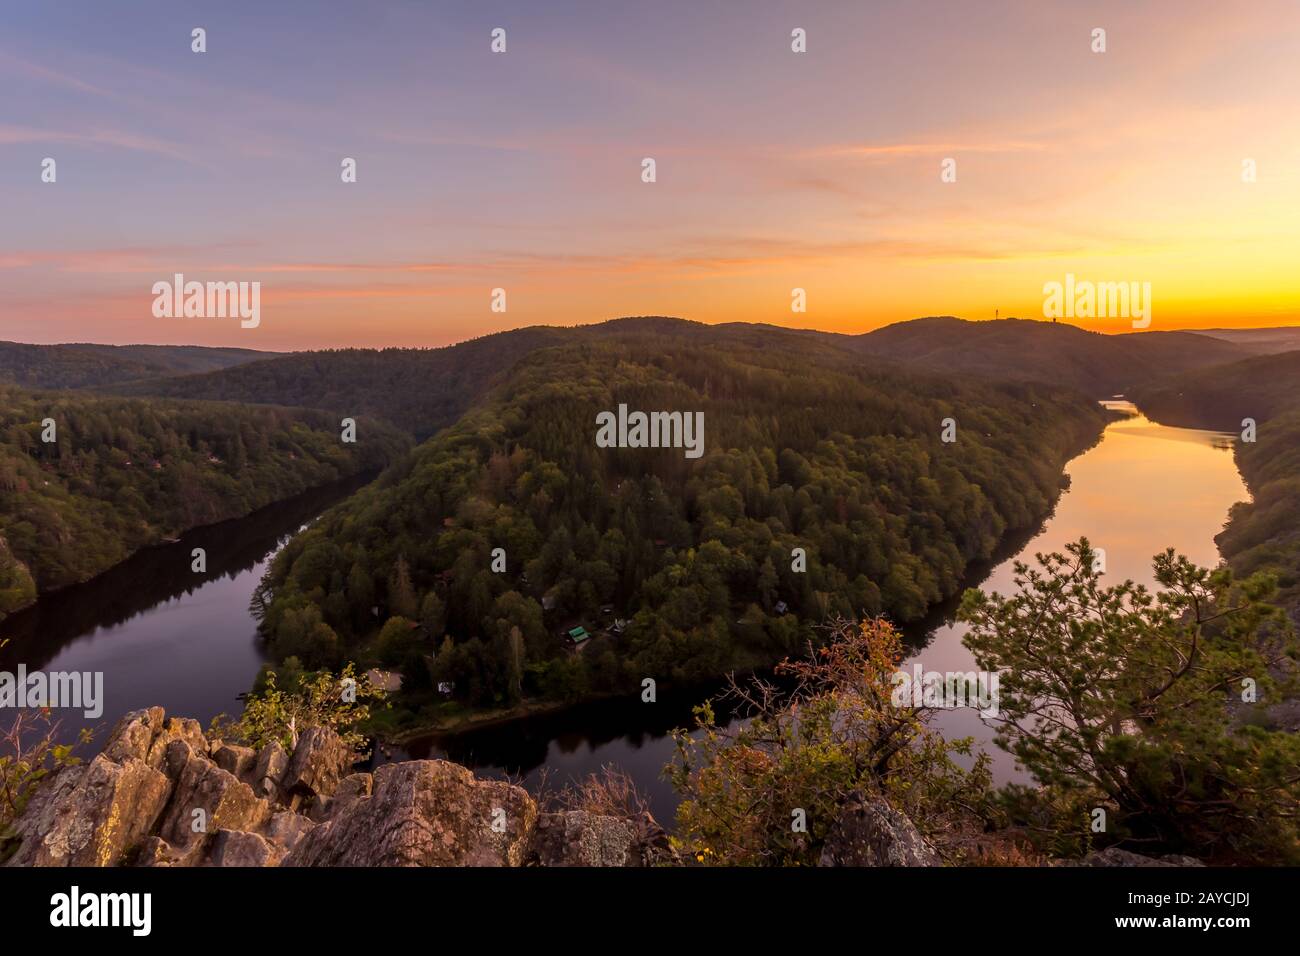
(424,813)
(870,832)
(318,763)
(161,794)
(579,838)
(206,798)
(90,815)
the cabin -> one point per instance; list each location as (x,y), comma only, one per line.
(578,635)
(387,681)
(781,607)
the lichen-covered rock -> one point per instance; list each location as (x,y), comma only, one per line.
(175,729)
(579,838)
(133,735)
(425,813)
(157,852)
(267,771)
(870,832)
(201,785)
(239,848)
(234,759)
(319,762)
(286,828)
(90,815)
(349,790)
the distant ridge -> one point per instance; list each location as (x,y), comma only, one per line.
(1027,350)
(424,390)
(85,365)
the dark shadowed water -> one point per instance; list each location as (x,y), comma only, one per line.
(163,635)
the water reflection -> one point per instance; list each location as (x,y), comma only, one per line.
(160,633)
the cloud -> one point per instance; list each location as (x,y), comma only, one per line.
(886,150)
(115,139)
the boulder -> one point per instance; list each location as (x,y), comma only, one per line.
(91,815)
(268,769)
(424,813)
(286,828)
(234,759)
(202,785)
(176,729)
(319,762)
(870,832)
(156,852)
(240,848)
(133,735)
(579,838)
(349,790)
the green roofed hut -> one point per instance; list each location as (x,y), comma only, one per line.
(578,634)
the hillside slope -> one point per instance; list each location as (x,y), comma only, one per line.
(805,446)
(423,390)
(125,473)
(89,366)
(1020,350)
(420,390)
(1220,397)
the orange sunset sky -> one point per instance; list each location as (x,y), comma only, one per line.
(522,170)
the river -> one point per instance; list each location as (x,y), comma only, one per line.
(162,635)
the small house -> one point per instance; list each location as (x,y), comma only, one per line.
(781,607)
(578,635)
(387,681)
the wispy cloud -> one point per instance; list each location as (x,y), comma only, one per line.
(888,150)
(111,138)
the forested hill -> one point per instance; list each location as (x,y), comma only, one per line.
(805,446)
(420,390)
(89,366)
(1263,533)
(1220,397)
(423,390)
(125,473)
(1097,365)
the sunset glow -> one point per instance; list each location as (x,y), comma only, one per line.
(522,171)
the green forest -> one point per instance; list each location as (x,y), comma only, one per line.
(679,569)
(125,473)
